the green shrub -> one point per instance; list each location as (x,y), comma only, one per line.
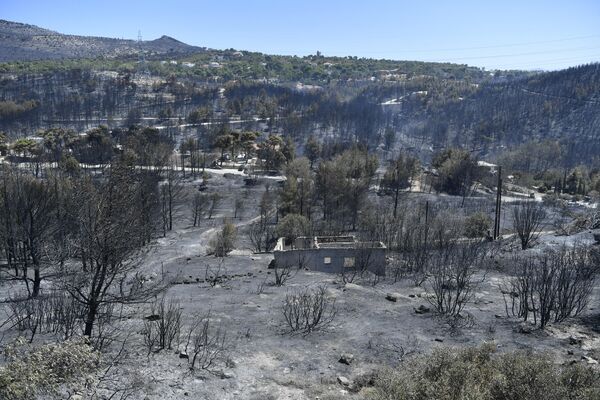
(477,225)
(224,241)
(479,374)
(30,373)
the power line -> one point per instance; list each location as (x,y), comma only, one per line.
(456,48)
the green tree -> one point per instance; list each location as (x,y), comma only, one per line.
(223,142)
(223,243)
(312,150)
(297,193)
(457,171)
(269,152)
(291,227)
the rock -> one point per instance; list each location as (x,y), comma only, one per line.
(575,341)
(570,352)
(498,316)
(226,375)
(587,359)
(393,297)
(183,355)
(229,363)
(524,328)
(346,358)
(343,381)
(412,296)
(352,286)
(422,309)
(152,317)
(439,340)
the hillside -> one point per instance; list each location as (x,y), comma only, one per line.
(553,106)
(23,42)
(427,105)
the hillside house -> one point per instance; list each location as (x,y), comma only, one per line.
(331,254)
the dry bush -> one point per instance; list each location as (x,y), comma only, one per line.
(215,275)
(205,344)
(551,287)
(308,310)
(452,276)
(282,273)
(261,235)
(363,257)
(162,331)
(58,314)
(528,218)
(414,246)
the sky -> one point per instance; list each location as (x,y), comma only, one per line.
(505,34)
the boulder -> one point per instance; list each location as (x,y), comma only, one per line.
(575,341)
(587,359)
(342,380)
(226,375)
(422,309)
(393,297)
(346,358)
(525,328)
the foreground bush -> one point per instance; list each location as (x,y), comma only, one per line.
(478,374)
(30,373)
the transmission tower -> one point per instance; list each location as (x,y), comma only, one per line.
(142,68)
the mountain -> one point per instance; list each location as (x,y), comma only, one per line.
(23,42)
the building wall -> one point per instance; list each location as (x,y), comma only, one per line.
(314,259)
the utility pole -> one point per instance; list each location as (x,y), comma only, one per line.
(142,66)
(426,222)
(498,205)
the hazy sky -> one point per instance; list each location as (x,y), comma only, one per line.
(527,34)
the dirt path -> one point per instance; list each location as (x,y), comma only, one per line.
(182,244)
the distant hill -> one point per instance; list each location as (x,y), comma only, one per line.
(23,42)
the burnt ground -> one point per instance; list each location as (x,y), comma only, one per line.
(263,362)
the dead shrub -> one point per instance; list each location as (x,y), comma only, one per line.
(57,313)
(551,287)
(452,276)
(308,310)
(205,343)
(162,331)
